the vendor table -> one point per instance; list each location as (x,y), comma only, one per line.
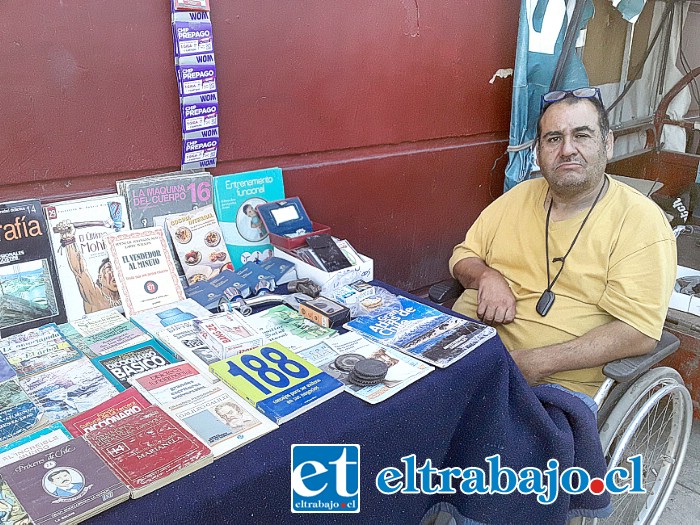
(434,418)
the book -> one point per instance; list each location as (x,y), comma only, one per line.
(235,198)
(104,331)
(287,326)
(228,333)
(276,381)
(30,294)
(119,366)
(38,349)
(402,369)
(6,369)
(18,413)
(421,331)
(198,243)
(65,484)
(12,512)
(77,229)
(154,320)
(144,269)
(124,404)
(184,340)
(30,444)
(151,199)
(66,390)
(213,413)
(148,450)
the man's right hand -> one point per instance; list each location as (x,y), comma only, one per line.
(496,302)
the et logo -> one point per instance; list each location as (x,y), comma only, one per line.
(325,478)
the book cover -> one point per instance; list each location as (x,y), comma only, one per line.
(217,416)
(30,444)
(30,294)
(64,484)
(74,338)
(144,269)
(149,449)
(37,350)
(421,331)
(124,404)
(199,244)
(107,331)
(119,366)
(151,199)
(402,369)
(184,340)
(235,199)
(18,413)
(69,389)
(276,381)
(287,326)
(77,229)
(228,333)
(6,370)
(156,319)
(11,510)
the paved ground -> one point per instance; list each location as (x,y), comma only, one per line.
(683,506)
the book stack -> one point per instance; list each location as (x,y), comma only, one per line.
(196,81)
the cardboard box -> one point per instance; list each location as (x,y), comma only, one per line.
(330,281)
(682,301)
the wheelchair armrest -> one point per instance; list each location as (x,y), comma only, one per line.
(445,290)
(630,368)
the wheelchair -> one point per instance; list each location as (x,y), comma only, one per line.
(641,410)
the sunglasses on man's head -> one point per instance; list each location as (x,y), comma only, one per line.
(556,96)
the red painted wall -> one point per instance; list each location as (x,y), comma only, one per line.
(380,113)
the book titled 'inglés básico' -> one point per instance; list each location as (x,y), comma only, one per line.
(30,294)
(292,386)
(144,269)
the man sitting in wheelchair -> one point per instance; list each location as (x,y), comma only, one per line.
(574,269)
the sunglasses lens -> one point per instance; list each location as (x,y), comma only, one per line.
(553,96)
(586,92)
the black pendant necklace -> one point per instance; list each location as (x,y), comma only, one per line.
(547,299)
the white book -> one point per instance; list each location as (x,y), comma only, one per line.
(403,369)
(77,229)
(216,415)
(184,339)
(144,269)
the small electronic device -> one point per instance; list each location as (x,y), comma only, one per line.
(325,312)
(329,255)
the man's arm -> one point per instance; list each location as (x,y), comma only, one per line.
(496,302)
(611,341)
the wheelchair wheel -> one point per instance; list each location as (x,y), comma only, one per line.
(653,418)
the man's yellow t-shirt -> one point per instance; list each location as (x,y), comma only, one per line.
(622,266)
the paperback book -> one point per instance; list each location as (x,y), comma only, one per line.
(228,333)
(119,366)
(69,389)
(12,512)
(422,332)
(288,327)
(236,197)
(37,350)
(18,413)
(292,386)
(107,413)
(148,450)
(30,294)
(199,244)
(337,357)
(105,331)
(64,484)
(144,269)
(184,340)
(154,320)
(30,444)
(77,229)
(217,416)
